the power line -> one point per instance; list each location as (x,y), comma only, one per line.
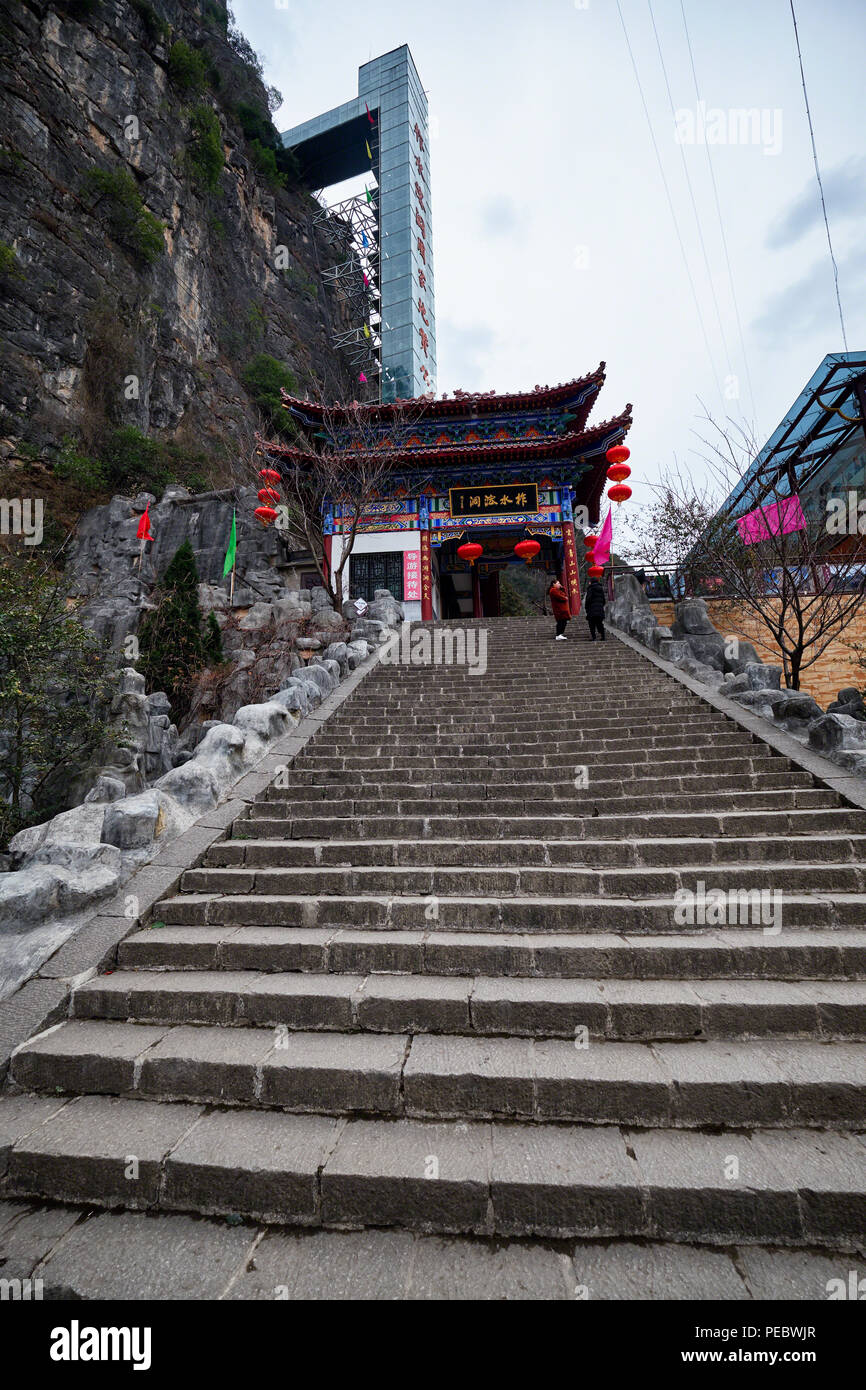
(818,176)
(707,265)
(670,204)
(721,226)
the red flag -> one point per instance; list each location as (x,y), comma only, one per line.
(143,532)
(369,117)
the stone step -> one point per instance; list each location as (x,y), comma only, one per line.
(834,820)
(727,774)
(718,954)
(586,783)
(445,1076)
(403,853)
(542,806)
(623,748)
(483,1005)
(710,759)
(141,1256)
(504,914)
(791,1187)
(527,881)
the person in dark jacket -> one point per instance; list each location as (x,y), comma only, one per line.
(594,605)
(561,608)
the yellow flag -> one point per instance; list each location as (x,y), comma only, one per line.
(366,331)
(369,151)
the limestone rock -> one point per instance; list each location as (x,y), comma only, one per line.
(370,630)
(797,705)
(692,619)
(267,721)
(707,647)
(674,650)
(836,731)
(761,702)
(133,822)
(106,788)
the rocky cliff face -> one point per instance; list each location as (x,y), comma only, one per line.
(108,319)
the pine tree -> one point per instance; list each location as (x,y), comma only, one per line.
(174,641)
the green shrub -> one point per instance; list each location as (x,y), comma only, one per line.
(265,161)
(187,69)
(9,264)
(78,468)
(132,462)
(56,685)
(154,27)
(174,640)
(116,191)
(263,378)
(205,151)
(255,123)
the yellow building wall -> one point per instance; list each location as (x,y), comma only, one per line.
(837,668)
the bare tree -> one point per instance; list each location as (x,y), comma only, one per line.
(344,467)
(765,551)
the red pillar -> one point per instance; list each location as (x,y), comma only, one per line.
(476,593)
(426,578)
(328,544)
(569,555)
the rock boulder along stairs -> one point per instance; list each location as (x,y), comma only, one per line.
(437,982)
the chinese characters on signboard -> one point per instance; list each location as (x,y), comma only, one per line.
(489,499)
(411,576)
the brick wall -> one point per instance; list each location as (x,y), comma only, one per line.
(836,668)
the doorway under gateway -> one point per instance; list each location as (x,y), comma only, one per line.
(475,591)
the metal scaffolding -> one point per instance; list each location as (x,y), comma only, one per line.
(351,227)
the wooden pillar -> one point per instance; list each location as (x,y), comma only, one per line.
(426,578)
(569,557)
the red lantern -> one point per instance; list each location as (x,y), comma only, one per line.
(618,472)
(265,515)
(470,551)
(590,542)
(620,492)
(270,475)
(618,453)
(595,571)
(269,495)
(527,550)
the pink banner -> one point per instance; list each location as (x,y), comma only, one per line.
(601,550)
(783,517)
(411,576)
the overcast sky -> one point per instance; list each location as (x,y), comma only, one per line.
(554,240)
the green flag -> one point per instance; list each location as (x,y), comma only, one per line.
(231,553)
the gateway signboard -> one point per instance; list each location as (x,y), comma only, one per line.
(493,499)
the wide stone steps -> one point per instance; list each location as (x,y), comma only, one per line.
(517,913)
(786,1187)
(711,954)
(431,981)
(485,1005)
(568,882)
(669,851)
(446,1076)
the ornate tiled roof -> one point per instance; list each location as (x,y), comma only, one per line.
(552,446)
(465,403)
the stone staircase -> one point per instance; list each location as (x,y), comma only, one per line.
(439,981)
